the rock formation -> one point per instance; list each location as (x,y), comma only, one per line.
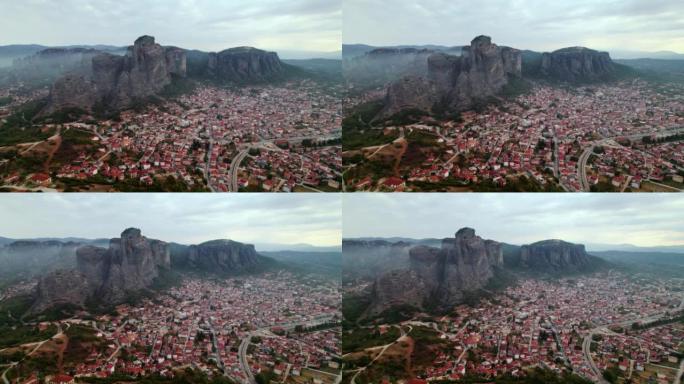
(244,64)
(241,65)
(129,265)
(577,64)
(61,288)
(114,82)
(456,83)
(554,256)
(219,256)
(439,278)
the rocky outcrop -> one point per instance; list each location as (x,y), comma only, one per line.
(439,278)
(115,82)
(554,256)
(456,83)
(61,288)
(221,257)
(130,264)
(577,65)
(244,65)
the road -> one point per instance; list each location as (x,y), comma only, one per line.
(680,373)
(234,166)
(586,349)
(207,165)
(4,374)
(242,353)
(582,168)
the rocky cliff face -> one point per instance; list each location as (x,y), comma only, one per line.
(61,288)
(220,256)
(130,264)
(244,65)
(456,83)
(576,65)
(439,278)
(115,82)
(554,256)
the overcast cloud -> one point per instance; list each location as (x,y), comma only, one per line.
(637,25)
(639,219)
(302,25)
(185,218)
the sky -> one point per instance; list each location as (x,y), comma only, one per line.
(543,25)
(212,25)
(183,218)
(645,220)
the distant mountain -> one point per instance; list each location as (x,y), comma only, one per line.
(8,53)
(325,263)
(598,247)
(301,247)
(434,242)
(307,55)
(320,69)
(639,257)
(5,240)
(661,55)
(349,51)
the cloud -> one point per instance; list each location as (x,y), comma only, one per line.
(529,24)
(647,220)
(186,218)
(305,25)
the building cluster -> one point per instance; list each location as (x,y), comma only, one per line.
(642,356)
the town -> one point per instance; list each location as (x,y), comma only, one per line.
(262,138)
(607,324)
(614,137)
(277,326)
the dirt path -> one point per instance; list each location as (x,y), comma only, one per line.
(60,352)
(400,155)
(53,150)
(409,352)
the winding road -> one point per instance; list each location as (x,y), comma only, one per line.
(234,166)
